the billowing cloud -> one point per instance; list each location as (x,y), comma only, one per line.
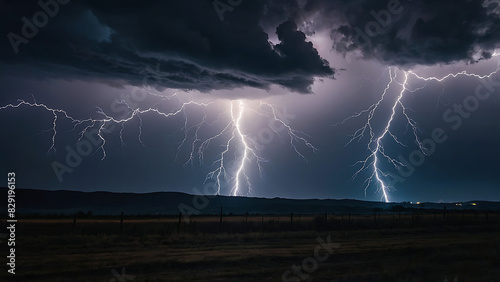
(400,32)
(208,45)
(407,33)
(187,41)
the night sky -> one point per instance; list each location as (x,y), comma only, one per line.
(272,81)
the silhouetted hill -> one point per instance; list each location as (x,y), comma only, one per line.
(43,202)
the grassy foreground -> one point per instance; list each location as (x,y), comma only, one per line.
(46,252)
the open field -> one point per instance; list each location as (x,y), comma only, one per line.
(260,248)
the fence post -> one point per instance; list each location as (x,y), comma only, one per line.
(220,221)
(179,224)
(121,222)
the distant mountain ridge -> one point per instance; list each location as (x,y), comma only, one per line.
(46,202)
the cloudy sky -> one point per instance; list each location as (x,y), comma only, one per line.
(253,97)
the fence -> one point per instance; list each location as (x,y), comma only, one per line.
(169,225)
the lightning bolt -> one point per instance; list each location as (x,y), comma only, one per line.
(375,143)
(241,149)
(237,135)
(294,135)
(55,113)
(249,148)
(246,149)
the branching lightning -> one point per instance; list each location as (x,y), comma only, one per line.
(237,135)
(248,147)
(294,136)
(55,113)
(241,149)
(375,143)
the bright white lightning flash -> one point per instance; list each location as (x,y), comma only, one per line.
(235,171)
(246,149)
(237,135)
(375,143)
(241,149)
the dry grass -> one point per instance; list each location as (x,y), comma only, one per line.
(47,250)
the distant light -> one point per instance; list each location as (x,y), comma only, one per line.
(474,204)
(418,203)
(459,204)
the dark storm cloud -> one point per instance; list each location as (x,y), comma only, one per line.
(121,42)
(192,47)
(424,32)
(400,32)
